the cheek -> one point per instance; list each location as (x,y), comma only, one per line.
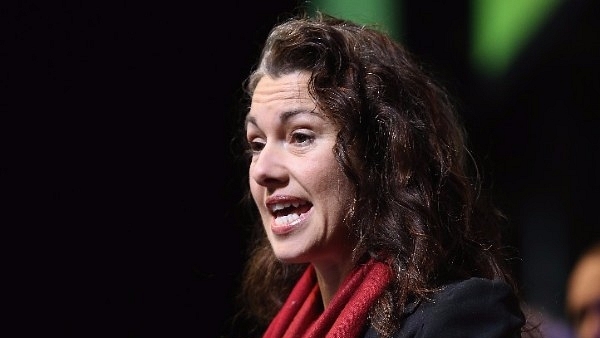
(332,181)
(255,191)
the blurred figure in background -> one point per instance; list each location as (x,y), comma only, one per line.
(583,294)
(550,326)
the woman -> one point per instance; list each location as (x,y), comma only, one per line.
(371,221)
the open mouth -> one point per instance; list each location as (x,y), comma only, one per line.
(287,213)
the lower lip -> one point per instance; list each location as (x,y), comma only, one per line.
(289,227)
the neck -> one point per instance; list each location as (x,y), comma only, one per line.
(330,277)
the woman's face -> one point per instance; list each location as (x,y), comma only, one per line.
(295,180)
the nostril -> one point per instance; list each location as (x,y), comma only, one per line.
(269,171)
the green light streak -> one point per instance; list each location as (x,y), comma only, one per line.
(502,28)
(384,14)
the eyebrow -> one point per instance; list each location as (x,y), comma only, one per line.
(286,115)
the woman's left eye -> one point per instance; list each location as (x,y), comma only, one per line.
(302,138)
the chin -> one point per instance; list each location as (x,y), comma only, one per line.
(287,257)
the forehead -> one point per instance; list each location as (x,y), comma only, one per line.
(289,89)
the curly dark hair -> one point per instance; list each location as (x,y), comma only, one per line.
(418,203)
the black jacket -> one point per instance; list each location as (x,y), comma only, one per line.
(475,307)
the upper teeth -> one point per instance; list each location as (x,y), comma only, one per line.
(279,206)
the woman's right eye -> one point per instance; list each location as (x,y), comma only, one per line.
(256,146)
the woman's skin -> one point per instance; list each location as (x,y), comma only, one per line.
(294,169)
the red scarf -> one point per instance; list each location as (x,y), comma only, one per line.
(302,314)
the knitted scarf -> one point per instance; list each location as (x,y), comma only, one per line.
(302,314)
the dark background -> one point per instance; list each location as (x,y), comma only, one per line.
(120,189)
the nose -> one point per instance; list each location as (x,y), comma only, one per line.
(269,167)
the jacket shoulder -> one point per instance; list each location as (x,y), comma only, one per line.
(475,307)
